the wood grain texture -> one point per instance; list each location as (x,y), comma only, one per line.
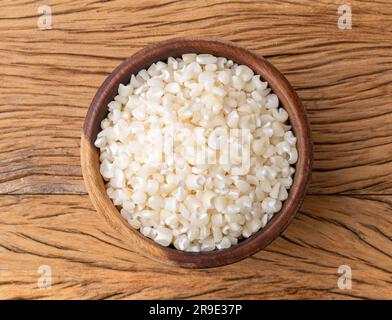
(48,78)
(88,260)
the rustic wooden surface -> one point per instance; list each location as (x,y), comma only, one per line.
(48,78)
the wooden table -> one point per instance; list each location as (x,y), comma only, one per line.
(48,78)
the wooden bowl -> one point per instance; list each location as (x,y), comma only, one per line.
(98,111)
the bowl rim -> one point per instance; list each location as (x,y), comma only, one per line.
(288,98)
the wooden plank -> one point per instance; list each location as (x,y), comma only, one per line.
(49,77)
(88,260)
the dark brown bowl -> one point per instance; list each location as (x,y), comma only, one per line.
(161,51)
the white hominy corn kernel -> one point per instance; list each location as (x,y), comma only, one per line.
(224,77)
(173,87)
(272,101)
(139,197)
(208,245)
(155,202)
(168,191)
(170,204)
(244,72)
(194,182)
(206,59)
(224,244)
(293,156)
(144,74)
(193,247)
(242,186)
(189,57)
(275,191)
(124,91)
(152,186)
(271,205)
(163,236)
(232,119)
(181,243)
(210,67)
